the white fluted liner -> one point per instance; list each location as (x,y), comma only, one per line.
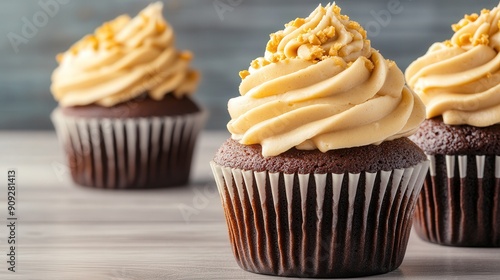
(129,152)
(450,166)
(462,162)
(319,225)
(462,166)
(432,167)
(497,169)
(480,160)
(461,210)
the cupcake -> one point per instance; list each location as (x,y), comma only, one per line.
(319,178)
(458,80)
(126,117)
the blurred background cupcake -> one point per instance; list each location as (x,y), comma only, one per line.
(319,179)
(126,117)
(459,82)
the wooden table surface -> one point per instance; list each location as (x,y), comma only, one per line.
(69,232)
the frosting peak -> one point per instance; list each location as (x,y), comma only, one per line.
(474,30)
(123,59)
(321,86)
(459,79)
(324,34)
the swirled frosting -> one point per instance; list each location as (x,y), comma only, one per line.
(125,58)
(321,86)
(459,79)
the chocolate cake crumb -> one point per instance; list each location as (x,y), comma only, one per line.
(438,138)
(389,155)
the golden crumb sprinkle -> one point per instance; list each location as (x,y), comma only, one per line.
(275,38)
(333,51)
(337,10)
(255,64)
(244,74)
(186,55)
(87,41)
(259,63)
(472,17)
(301,38)
(354,25)
(144,18)
(326,34)
(339,61)
(364,34)
(59,57)
(484,39)
(465,39)
(298,22)
(330,31)
(110,44)
(461,24)
(322,37)
(370,66)
(160,27)
(344,18)
(193,75)
(448,43)
(94,42)
(314,40)
(277,57)
(105,32)
(337,46)
(310,52)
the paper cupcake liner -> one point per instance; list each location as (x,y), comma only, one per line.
(460,201)
(319,225)
(129,152)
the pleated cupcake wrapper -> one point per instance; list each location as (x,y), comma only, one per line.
(460,201)
(319,225)
(129,152)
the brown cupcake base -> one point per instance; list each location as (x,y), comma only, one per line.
(129,153)
(319,225)
(460,201)
(140,107)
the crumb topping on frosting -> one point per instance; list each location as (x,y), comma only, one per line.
(124,58)
(321,86)
(459,79)
(475,29)
(326,33)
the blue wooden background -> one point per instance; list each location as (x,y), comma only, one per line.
(224,40)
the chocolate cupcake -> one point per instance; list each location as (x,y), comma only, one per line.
(126,117)
(319,179)
(458,80)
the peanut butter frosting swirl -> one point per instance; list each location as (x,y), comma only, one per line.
(459,79)
(321,86)
(125,58)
